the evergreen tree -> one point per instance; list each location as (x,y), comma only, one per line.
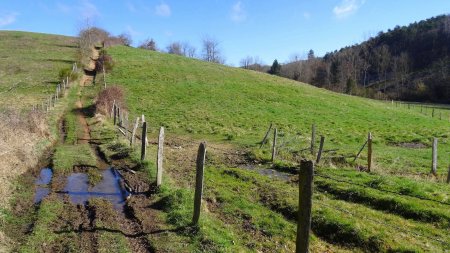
(275,69)
(350,86)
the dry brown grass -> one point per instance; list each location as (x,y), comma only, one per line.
(106,98)
(20,133)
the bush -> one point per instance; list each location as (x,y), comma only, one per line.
(106,98)
(67,72)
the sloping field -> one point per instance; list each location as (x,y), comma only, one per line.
(29,66)
(398,207)
(222,103)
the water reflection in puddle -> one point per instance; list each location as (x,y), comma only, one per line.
(109,188)
(42,182)
(78,189)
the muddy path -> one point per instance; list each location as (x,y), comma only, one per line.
(97,217)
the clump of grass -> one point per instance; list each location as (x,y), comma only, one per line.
(68,156)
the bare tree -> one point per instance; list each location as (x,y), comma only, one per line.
(211,51)
(175,48)
(149,44)
(187,50)
(246,62)
(125,38)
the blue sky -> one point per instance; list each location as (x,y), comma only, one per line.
(268,29)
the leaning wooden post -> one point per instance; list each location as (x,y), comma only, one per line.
(360,150)
(319,154)
(274,145)
(199,182)
(160,157)
(133,133)
(265,136)
(434,156)
(144,135)
(304,205)
(369,151)
(313,138)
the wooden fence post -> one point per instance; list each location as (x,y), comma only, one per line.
(112,109)
(274,144)
(160,157)
(199,182)
(265,136)
(115,113)
(144,135)
(143,120)
(304,205)
(104,75)
(432,113)
(448,175)
(360,150)
(434,156)
(369,151)
(133,133)
(119,117)
(319,154)
(313,137)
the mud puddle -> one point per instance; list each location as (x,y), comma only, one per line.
(80,192)
(42,184)
(271,173)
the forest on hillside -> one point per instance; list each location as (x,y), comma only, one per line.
(409,63)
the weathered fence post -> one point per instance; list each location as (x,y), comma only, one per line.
(112,109)
(133,133)
(115,113)
(143,120)
(448,175)
(265,136)
(199,182)
(304,205)
(144,135)
(360,150)
(160,157)
(104,76)
(274,144)
(319,154)
(434,156)
(119,117)
(369,151)
(313,138)
(432,113)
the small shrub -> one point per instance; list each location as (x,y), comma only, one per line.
(67,72)
(106,98)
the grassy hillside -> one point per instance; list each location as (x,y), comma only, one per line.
(231,108)
(29,65)
(222,103)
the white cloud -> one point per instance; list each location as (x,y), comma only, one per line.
(238,13)
(8,19)
(347,7)
(132,31)
(131,7)
(163,10)
(168,33)
(63,8)
(306,15)
(89,10)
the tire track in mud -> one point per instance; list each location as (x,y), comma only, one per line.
(128,223)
